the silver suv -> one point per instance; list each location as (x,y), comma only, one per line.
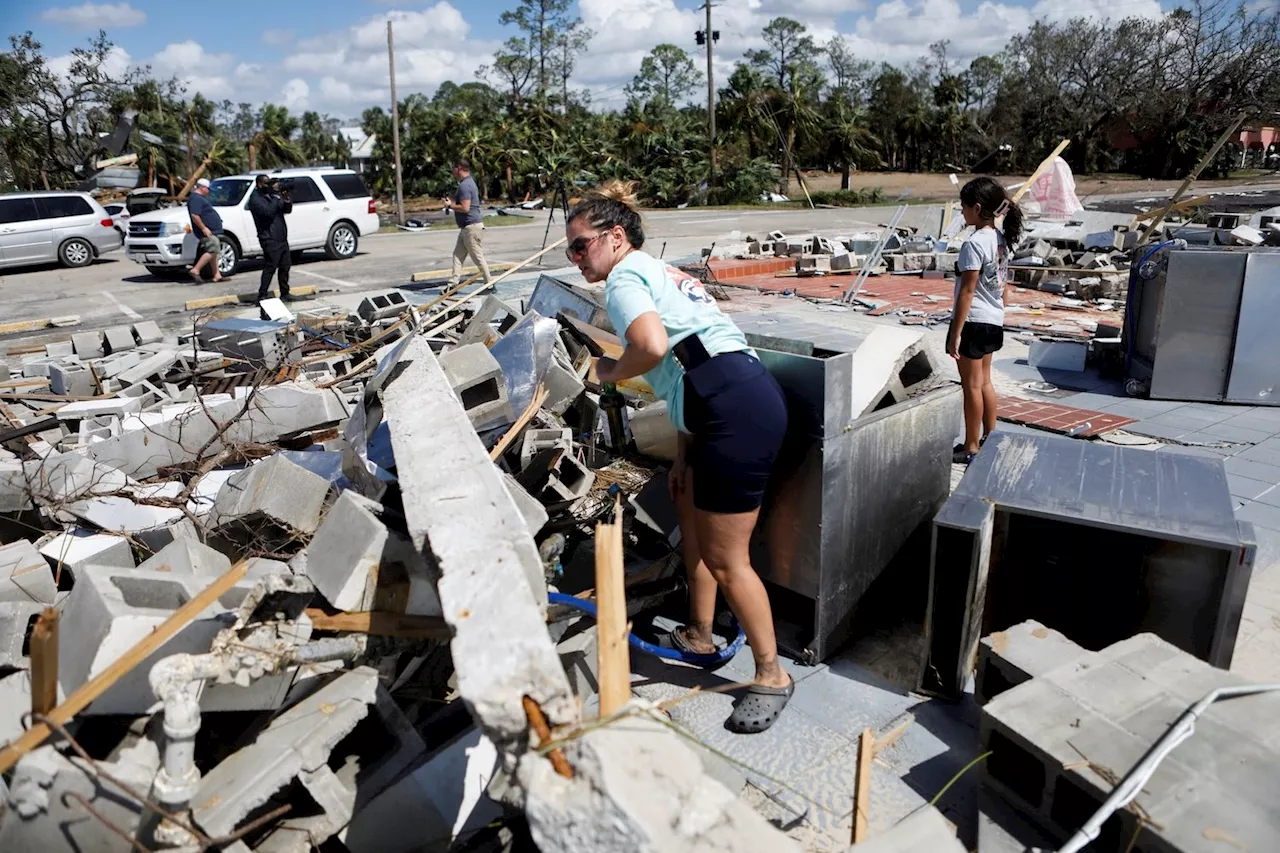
(42,227)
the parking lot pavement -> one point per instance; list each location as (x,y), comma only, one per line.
(115,290)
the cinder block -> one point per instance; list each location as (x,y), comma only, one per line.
(118,339)
(61,349)
(381,306)
(111,366)
(16,618)
(153,366)
(269,504)
(80,547)
(536,440)
(274,309)
(358,563)
(187,556)
(654,434)
(579,655)
(534,514)
(813,264)
(562,382)
(569,480)
(24,574)
(109,611)
(87,344)
(147,332)
(71,379)
(1017,655)
(476,379)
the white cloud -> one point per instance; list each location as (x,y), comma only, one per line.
(295,94)
(94,16)
(277,37)
(180,59)
(115,64)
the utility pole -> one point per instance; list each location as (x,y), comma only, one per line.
(710,36)
(395,126)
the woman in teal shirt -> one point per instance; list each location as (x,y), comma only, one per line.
(731,415)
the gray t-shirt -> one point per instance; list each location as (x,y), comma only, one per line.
(985,252)
(467,190)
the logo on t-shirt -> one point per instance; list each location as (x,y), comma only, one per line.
(689,286)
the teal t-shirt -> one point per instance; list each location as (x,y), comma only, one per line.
(641,283)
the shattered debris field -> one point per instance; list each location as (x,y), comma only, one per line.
(378,572)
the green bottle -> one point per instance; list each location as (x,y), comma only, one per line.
(614,406)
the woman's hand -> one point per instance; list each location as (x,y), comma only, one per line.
(676,478)
(953,344)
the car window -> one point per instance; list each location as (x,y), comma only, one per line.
(18,210)
(346,186)
(303,190)
(59,206)
(113,209)
(227,192)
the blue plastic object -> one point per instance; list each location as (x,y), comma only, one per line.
(718,658)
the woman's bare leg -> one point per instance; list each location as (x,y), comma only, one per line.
(971,387)
(702,586)
(988,398)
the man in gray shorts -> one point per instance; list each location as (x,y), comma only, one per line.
(206,224)
(466,212)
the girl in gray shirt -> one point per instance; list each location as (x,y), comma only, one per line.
(977,322)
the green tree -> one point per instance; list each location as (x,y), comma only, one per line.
(667,74)
(544,23)
(272,145)
(790,55)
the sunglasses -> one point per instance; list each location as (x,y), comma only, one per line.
(579,247)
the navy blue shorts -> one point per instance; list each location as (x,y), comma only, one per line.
(737,416)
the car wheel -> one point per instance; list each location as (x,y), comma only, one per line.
(229,256)
(76,252)
(343,241)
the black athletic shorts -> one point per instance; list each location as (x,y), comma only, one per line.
(737,416)
(980,339)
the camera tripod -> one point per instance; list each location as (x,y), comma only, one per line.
(561,195)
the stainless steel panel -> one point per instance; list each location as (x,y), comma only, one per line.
(1197,325)
(1255,366)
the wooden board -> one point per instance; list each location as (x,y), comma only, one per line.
(611,620)
(379,624)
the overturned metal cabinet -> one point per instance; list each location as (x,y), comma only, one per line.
(1096,541)
(849,488)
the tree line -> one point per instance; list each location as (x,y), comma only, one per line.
(1142,96)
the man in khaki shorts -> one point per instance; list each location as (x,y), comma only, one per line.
(466,212)
(206,224)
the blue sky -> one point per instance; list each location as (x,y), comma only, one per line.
(330,55)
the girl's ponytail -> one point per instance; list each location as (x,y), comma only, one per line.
(993,202)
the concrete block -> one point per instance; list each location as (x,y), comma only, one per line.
(888,362)
(278,411)
(60,478)
(79,547)
(269,503)
(568,481)
(120,514)
(118,406)
(87,344)
(564,385)
(297,743)
(118,339)
(537,440)
(187,556)
(534,514)
(813,264)
(476,378)
(147,332)
(382,305)
(654,434)
(108,611)
(111,366)
(358,563)
(61,349)
(655,510)
(480,328)
(500,646)
(923,830)
(71,379)
(37,368)
(154,366)
(1017,655)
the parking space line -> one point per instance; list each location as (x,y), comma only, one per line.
(336,281)
(128,312)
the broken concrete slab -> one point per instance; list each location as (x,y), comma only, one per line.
(476,379)
(87,344)
(533,512)
(879,364)
(118,406)
(500,647)
(297,742)
(1017,655)
(16,620)
(24,574)
(923,830)
(270,503)
(80,547)
(118,339)
(153,366)
(147,332)
(274,412)
(357,563)
(274,309)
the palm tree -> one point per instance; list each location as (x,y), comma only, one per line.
(274,142)
(850,141)
(197,121)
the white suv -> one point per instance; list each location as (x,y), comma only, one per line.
(332,209)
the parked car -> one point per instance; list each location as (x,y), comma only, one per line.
(332,210)
(68,227)
(119,216)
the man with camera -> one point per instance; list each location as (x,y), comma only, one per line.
(268,205)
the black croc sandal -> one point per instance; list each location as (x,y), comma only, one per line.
(960,456)
(760,708)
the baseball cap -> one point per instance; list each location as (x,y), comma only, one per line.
(203,182)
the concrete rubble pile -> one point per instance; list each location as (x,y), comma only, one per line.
(396,491)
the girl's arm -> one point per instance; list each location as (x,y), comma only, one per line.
(646,346)
(968,284)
